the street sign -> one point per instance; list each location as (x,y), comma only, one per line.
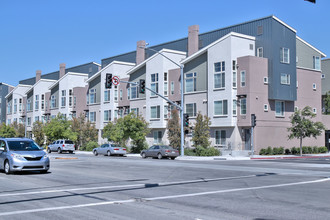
(115,80)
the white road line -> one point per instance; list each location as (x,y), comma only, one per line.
(159,198)
(123,186)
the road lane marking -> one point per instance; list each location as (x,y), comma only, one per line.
(147,185)
(158,198)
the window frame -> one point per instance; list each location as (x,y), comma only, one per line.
(193,77)
(283,59)
(224,107)
(282,112)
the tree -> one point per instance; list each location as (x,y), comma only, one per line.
(7,131)
(19,129)
(86,131)
(201,134)
(303,126)
(59,128)
(38,132)
(326,101)
(131,126)
(174,130)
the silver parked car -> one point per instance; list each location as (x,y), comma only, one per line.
(22,154)
(60,146)
(109,149)
(160,151)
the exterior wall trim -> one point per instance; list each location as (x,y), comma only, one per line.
(305,68)
(69,73)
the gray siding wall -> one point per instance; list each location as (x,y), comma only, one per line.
(3,92)
(326,71)
(54,92)
(199,66)
(136,76)
(96,84)
(305,55)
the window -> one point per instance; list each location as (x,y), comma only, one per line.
(265,107)
(28,105)
(9,108)
(251,46)
(234,80)
(314,110)
(234,107)
(316,63)
(220,138)
(190,82)
(116,114)
(42,102)
(172,87)
(260,52)
(220,108)
(284,55)
(243,78)
(158,137)
(36,103)
(322,76)
(285,79)
(8,121)
(70,97)
(155,112)
(296,108)
(219,75)
(116,94)
(234,65)
(92,116)
(165,84)
(260,30)
(191,109)
(314,86)
(165,111)
(121,95)
(20,106)
(36,118)
(134,92)
(15,106)
(279,108)
(154,83)
(135,111)
(265,80)
(243,106)
(92,96)
(29,121)
(128,93)
(107,115)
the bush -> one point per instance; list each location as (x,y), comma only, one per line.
(280,150)
(136,149)
(90,146)
(323,150)
(189,152)
(315,150)
(304,150)
(310,150)
(211,151)
(262,151)
(275,149)
(287,151)
(269,151)
(295,150)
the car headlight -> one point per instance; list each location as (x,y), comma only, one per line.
(46,156)
(17,156)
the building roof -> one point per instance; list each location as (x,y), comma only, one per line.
(41,80)
(65,75)
(19,85)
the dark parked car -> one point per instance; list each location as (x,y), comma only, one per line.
(160,151)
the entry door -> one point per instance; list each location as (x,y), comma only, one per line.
(327,139)
(247,135)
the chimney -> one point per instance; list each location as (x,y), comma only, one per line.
(38,75)
(140,52)
(193,41)
(62,70)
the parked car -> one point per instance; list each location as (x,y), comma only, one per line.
(61,145)
(22,154)
(160,151)
(109,149)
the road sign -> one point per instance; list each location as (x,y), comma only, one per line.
(115,80)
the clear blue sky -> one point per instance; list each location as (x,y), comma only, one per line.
(41,34)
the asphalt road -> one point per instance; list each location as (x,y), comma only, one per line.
(89,187)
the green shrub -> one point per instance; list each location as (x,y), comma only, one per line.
(275,149)
(287,151)
(138,147)
(262,151)
(269,151)
(90,146)
(310,150)
(323,150)
(189,152)
(295,150)
(315,150)
(206,152)
(280,150)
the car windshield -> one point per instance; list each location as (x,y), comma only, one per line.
(166,147)
(23,146)
(68,142)
(115,145)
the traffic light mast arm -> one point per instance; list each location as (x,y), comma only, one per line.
(136,84)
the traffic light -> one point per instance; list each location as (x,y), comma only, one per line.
(186,120)
(142,86)
(108,81)
(253,120)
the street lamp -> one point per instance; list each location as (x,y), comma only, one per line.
(182,106)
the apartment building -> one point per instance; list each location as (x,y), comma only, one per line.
(4,90)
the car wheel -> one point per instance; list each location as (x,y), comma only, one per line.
(95,153)
(172,158)
(109,153)
(59,150)
(7,167)
(49,150)
(70,152)
(159,156)
(43,171)
(144,155)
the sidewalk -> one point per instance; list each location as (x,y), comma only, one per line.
(277,157)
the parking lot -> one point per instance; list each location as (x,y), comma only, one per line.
(82,186)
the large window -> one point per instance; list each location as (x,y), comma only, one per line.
(284,55)
(191,109)
(28,105)
(133,90)
(279,108)
(220,107)
(285,79)
(316,63)
(219,75)
(190,82)
(220,138)
(92,96)
(107,115)
(92,116)
(15,106)
(36,103)
(243,77)
(155,112)
(107,95)
(154,83)
(260,52)
(53,101)
(243,106)
(63,98)
(234,107)
(158,137)
(9,108)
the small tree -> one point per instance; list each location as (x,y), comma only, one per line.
(201,134)
(59,128)
(303,126)
(38,132)
(173,130)
(19,129)
(326,101)
(85,131)
(7,131)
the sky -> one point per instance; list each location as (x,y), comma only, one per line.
(41,34)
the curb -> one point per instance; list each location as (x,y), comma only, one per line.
(283,158)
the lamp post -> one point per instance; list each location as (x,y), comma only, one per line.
(181,85)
